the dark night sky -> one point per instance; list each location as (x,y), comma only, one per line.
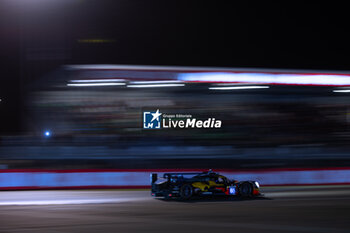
(185,33)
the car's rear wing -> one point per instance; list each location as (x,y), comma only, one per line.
(154,177)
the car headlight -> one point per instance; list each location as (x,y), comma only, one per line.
(257,184)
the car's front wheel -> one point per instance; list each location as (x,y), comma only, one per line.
(246,189)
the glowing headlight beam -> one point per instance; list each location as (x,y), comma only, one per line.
(257,184)
(156,85)
(238,87)
(235,84)
(342,90)
(96,80)
(94,84)
(156,82)
(268,78)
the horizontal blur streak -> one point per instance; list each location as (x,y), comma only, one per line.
(238,88)
(341,90)
(69,197)
(156,85)
(284,212)
(155,82)
(294,117)
(94,114)
(94,84)
(97,80)
(124,178)
(269,78)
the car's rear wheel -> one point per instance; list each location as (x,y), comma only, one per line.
(246,189)
(186,192)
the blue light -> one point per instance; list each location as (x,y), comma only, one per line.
(268,78)
(47,133)
(232,190)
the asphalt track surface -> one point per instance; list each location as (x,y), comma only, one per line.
(288,209)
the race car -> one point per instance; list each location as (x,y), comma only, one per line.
(187,185)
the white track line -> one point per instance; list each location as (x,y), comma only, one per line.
(69,202)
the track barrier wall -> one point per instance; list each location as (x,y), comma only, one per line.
(15,179)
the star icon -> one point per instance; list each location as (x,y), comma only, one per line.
(156,115)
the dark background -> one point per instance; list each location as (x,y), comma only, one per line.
(38,36)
